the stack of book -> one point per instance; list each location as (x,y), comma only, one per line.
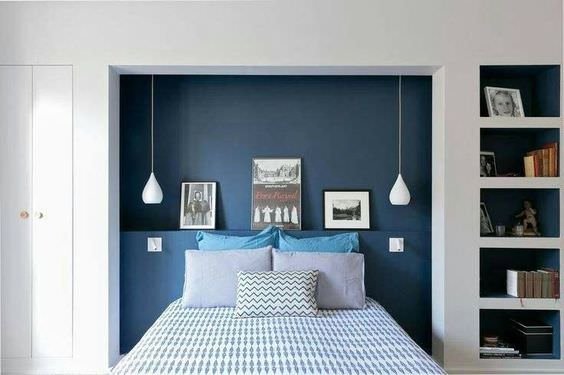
(543,162)
(543,283)
(498,349)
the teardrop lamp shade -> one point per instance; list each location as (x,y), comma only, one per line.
(152,193)
(399,195)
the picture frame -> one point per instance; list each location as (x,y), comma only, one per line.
(276,193)
(198,205)
(486,226)
(346,209)
(488,166)
(504,102)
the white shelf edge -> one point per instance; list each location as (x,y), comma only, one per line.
(520,183)
(515,303)
(521,122)
(521,242)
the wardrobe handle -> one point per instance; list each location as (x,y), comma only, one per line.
(39,215)
(24,215)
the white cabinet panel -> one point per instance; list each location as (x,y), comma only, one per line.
(15,200)
(52,212)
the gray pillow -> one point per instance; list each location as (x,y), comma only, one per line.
(210,279)
(340,284)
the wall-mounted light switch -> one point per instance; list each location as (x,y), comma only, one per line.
(396,245)
(154,244)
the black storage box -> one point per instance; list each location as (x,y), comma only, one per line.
(532,337)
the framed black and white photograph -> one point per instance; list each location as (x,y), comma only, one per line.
(486,226)
(277,193)
(197,207)
(488,167)
(504,102)
(346,209)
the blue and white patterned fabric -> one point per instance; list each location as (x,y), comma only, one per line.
(212,341)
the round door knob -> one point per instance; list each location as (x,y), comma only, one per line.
(39,215)
(24,214)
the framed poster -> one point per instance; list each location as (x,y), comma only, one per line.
(197,205)
(346,209)
(277,193)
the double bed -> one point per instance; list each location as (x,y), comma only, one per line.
(212,341)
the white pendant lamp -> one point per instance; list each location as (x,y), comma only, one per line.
(399,195)
(152,193)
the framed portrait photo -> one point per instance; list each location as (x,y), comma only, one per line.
(346,209)
(277,193)
(504,102)
(197,205)
(488,168)
(486,226)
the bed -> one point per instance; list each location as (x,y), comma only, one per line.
(212,341)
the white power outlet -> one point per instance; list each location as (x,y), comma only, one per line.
(154,244)
(396,245)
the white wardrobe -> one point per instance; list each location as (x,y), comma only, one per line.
(36,212)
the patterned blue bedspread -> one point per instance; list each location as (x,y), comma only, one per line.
(212,341)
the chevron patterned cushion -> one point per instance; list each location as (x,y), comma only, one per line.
(286,293)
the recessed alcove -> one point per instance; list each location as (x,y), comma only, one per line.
(511,145)
(504,204)
(498,322)
(539,86)
(495,261)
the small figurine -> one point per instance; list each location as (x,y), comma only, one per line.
(529,220)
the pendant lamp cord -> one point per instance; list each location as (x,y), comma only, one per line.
(152,93)
(399,148)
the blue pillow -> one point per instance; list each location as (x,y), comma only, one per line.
(339,243)
(212,241)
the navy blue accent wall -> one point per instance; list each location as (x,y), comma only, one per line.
(208,128)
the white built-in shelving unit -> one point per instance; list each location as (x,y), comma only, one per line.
(493,304)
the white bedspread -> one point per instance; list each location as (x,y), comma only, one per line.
(212,341)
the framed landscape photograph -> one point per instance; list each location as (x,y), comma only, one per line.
(488,167)
(197,205)
(277,193)
(504,102)
(346,209)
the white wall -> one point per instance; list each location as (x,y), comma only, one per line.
(458,35)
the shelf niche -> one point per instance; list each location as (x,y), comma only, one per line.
(539,86)
(504,204)
(497,322)
(494,263)
(511,145)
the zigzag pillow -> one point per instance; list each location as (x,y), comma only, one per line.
(286,293)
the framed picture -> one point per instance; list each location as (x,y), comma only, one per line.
(277,193)
(197,205)
(346,209)
(503,102)
(486,226)
(488,167)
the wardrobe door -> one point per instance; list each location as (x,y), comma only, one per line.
(15,210)
(52,255)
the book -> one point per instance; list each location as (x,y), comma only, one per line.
(528,285)
(537,284)
(500,355)
(542,162)
(512,283)
(552,149)
(515,283)
(529,162)
(546,283)
(554,281)
(494,349)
